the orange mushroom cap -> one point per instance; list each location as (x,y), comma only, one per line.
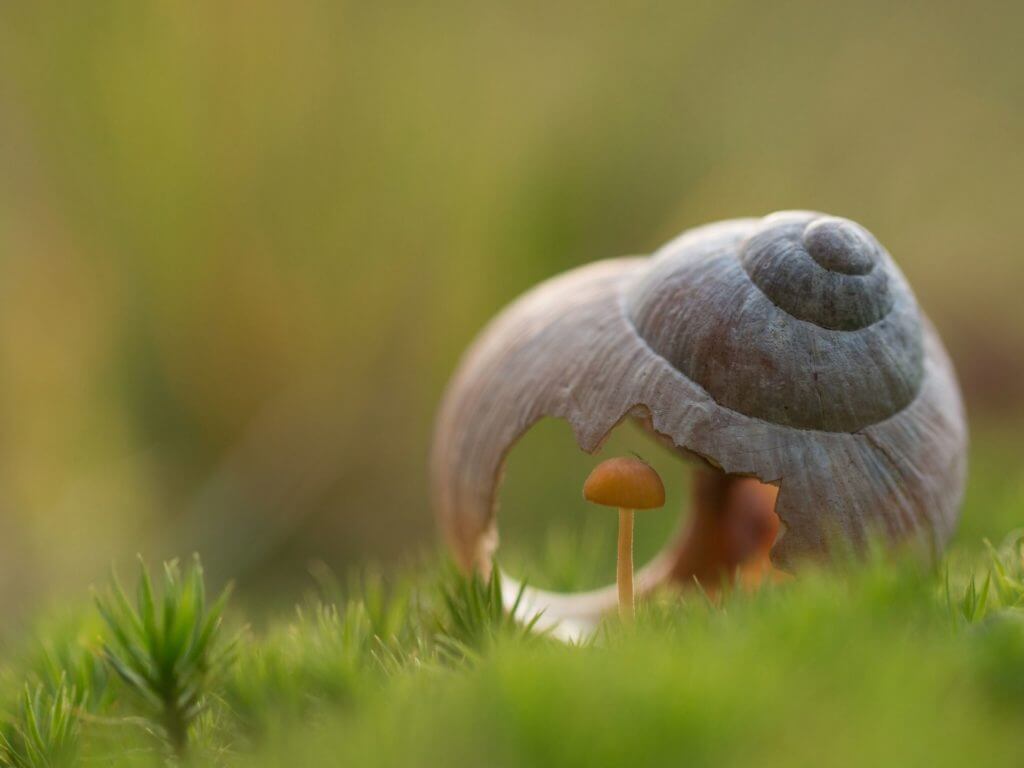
(625,483)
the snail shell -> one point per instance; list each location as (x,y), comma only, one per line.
(788,348)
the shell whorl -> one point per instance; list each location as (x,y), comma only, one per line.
(803,320)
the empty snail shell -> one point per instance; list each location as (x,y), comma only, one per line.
(788,349)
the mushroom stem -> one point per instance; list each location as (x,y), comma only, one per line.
(624,568)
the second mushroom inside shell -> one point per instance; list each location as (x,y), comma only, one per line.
(788,349)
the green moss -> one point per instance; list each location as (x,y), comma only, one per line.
(881,662)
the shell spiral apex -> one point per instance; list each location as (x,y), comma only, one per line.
(827,272)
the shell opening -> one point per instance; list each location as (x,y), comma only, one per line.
(729,526)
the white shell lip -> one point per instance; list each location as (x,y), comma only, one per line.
(568,350)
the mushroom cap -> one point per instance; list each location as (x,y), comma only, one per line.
(626,483)
(788,348)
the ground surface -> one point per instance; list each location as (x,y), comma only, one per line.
(886,662)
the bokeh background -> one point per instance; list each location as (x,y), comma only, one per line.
(242,245)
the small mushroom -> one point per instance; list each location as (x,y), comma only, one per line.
(629,484)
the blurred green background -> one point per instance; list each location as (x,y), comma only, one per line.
(242,245)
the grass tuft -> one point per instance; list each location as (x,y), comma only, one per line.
(317,660)
(471,618)
(167,648)
(45,731)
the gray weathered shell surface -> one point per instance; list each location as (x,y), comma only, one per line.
(788,348)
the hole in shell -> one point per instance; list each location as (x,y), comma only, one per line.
(717,524)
